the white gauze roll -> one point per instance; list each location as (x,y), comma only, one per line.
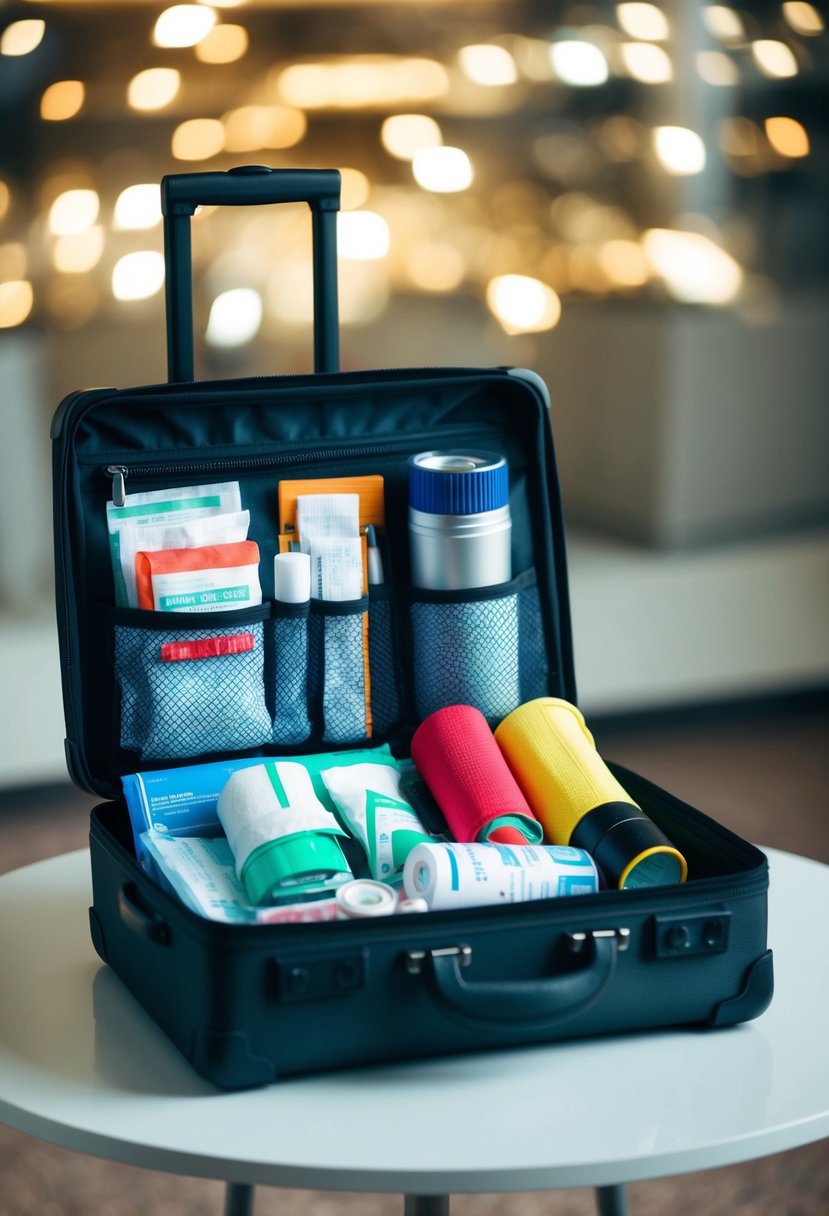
(252,813)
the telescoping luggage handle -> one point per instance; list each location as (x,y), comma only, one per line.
(249,185)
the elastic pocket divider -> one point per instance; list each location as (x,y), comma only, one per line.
(288,674)
(386,670)
(339,682)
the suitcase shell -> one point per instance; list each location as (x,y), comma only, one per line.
(250,1004)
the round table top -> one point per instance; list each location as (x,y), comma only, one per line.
(83,1066)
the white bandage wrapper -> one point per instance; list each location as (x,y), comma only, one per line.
(253,813)
(370,802)
(329,531)
(202,874)
(209,530)
(162,508)
(453,875)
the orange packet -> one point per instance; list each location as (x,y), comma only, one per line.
(179,561)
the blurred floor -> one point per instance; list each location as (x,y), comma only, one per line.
(761,769)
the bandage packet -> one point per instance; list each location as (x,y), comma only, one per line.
(202,874)
(329,530)
(373,807)
(194,534)
(214,578)
(160,508)
(178,802)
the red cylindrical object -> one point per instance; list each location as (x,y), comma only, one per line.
(456,755)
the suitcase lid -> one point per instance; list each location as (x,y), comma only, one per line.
(258,430)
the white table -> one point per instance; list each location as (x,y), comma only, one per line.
(82,1066)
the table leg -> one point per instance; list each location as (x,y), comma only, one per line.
(426,1205)
(239,1199)
(612,1200)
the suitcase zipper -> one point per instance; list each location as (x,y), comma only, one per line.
(118,473)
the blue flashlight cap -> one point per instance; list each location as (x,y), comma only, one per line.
(458,483)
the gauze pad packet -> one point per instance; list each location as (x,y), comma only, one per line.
(194,534)
(202,874)
(329,531)
(164,507)
(375,810)
(214,578)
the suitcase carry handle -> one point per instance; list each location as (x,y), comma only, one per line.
(524,1004)
(145,923)
(249,185)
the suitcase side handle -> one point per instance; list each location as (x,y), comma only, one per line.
(523,1005)
(249,185)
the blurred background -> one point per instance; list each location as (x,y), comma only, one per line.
(629,198)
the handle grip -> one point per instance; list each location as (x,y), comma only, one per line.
(524,1004)
(149,925)
(249,185)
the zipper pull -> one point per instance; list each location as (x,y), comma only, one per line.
(118,473)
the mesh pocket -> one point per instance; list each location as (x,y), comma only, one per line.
(337,668)
(289,632)
(487,651)
(186,692)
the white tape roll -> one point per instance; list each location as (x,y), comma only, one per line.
(365,897)
(292,577)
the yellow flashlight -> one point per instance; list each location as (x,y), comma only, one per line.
(575,796)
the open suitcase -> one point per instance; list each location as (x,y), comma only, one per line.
(248,1004)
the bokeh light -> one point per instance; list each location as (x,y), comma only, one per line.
(21,38)
(138,276)
(235,317)
(16,302)
(442,170)
(62,100)
(153,88)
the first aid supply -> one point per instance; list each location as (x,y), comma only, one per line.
(183,801)
(214,578)
(292,578)
(310,912)
(452,876)
(455,753)
(196,533)
(372,806)
(369,489)
(578,800)
(160,508)
(281,835)
(202,874)
(459,520)
(404,906)
(329,531)
(366,898)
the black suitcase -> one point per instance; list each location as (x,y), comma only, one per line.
(248,1004)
